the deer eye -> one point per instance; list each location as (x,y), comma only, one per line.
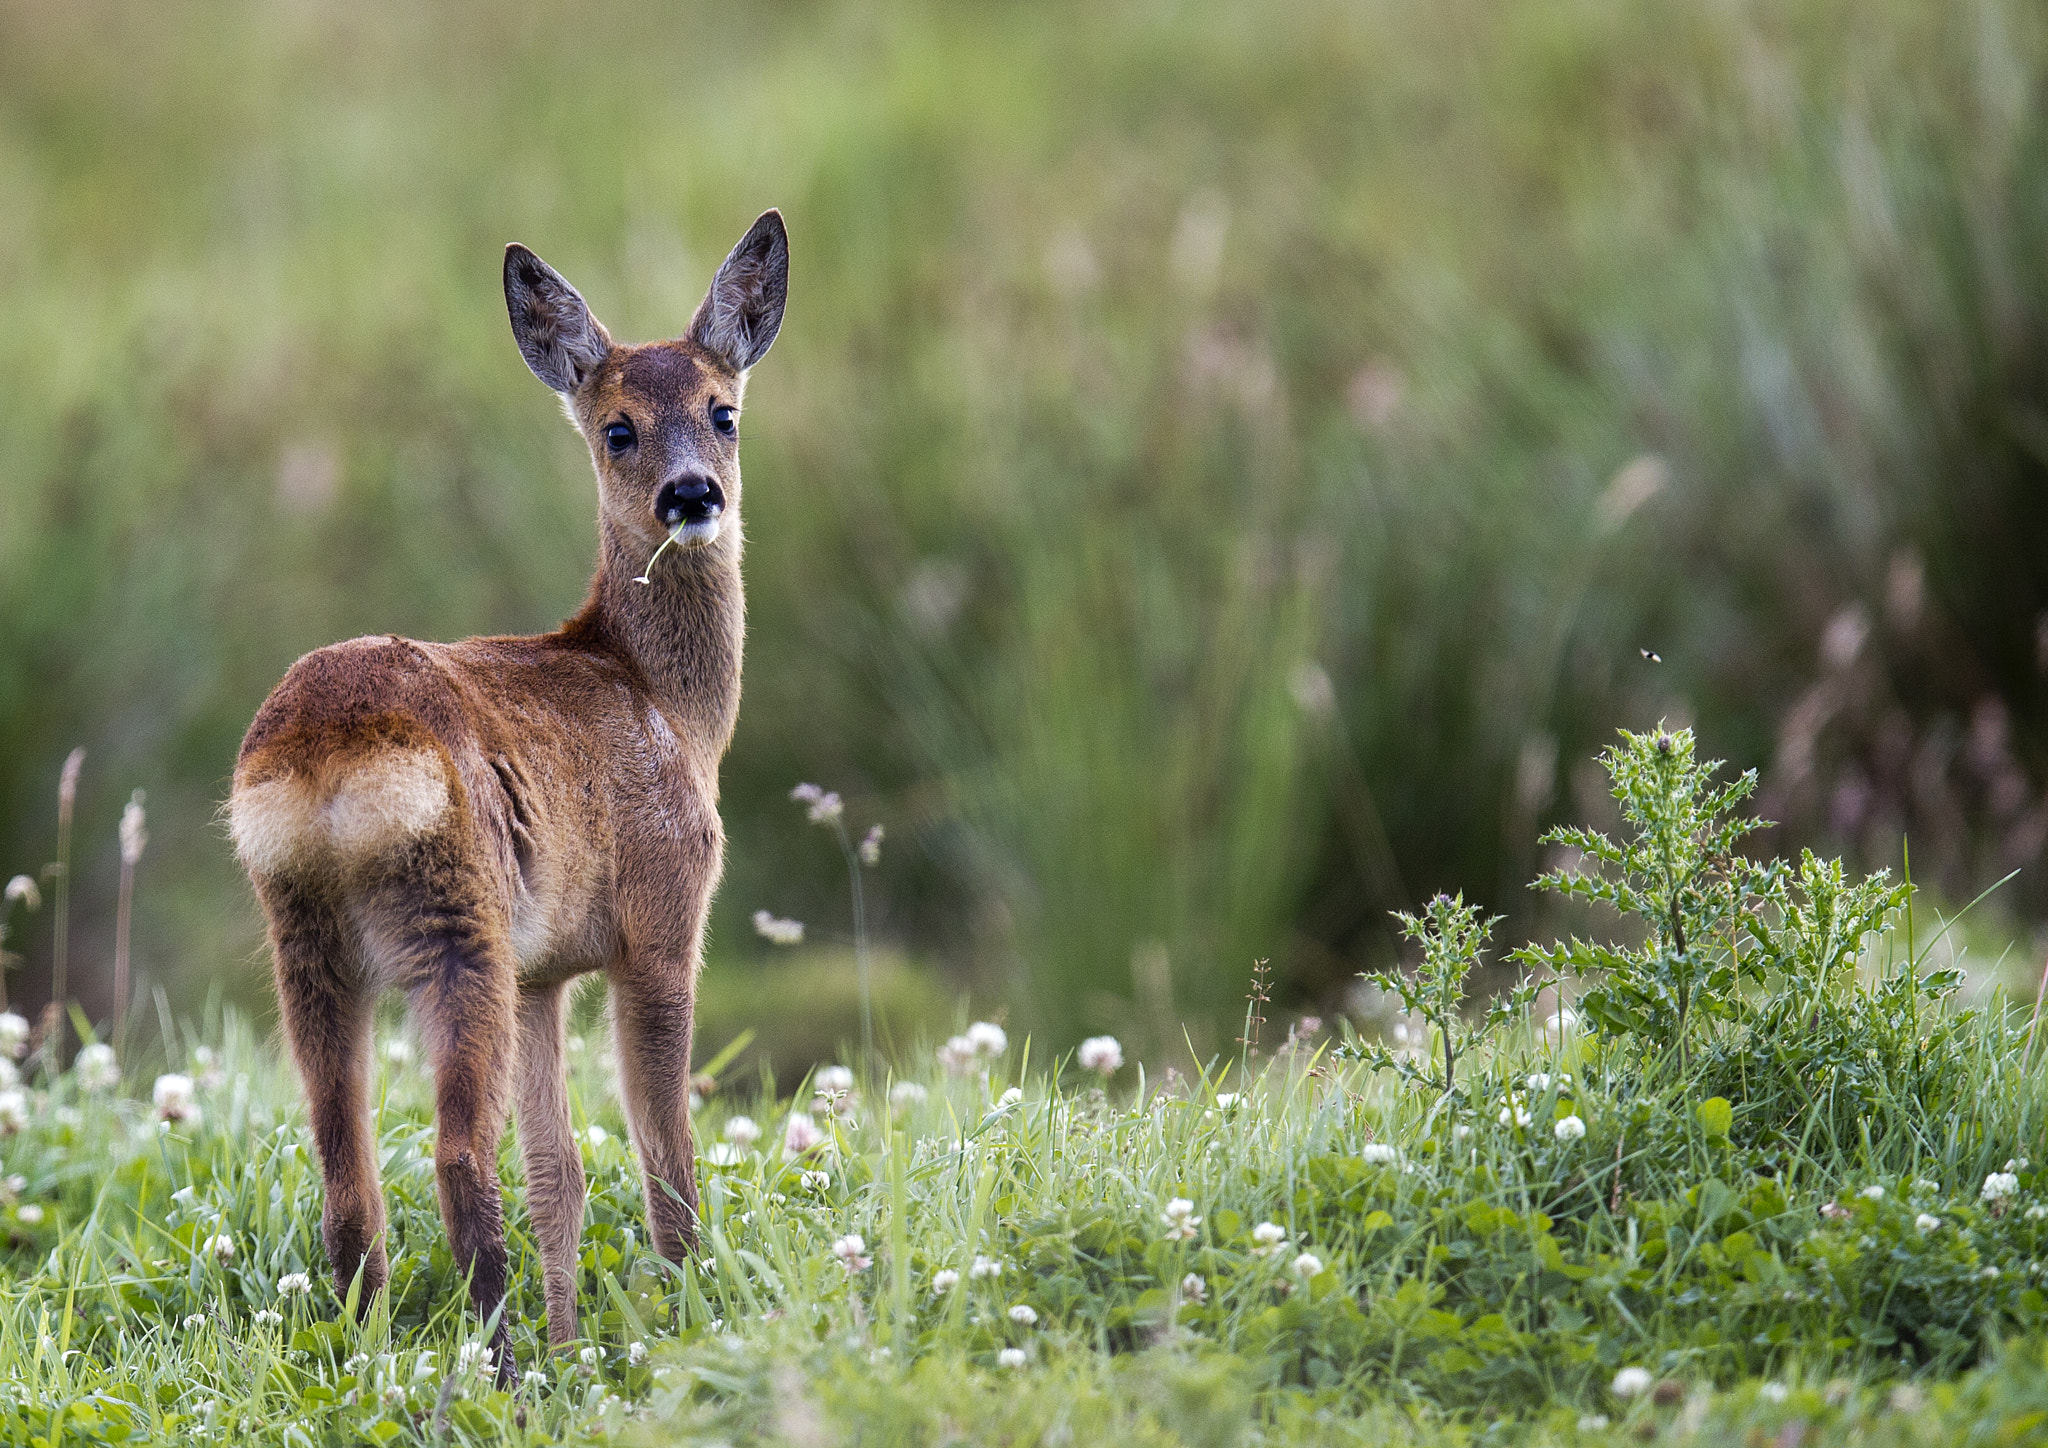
(619,436)
(725,419)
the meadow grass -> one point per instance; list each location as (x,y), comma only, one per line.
(1355,1261)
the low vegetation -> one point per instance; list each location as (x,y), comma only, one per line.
(1765,1174)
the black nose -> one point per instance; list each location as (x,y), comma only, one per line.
(692,498)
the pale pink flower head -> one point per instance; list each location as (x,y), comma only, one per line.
(851,1250)
(800,1136)
(1101,1054)
(822,805)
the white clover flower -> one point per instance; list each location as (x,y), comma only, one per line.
(470,1356)
(1927,1222)
(176,1098)
(14,1032)
(1539,1082)
(816,1181)
(2036,1212)
(871,846)
(1460,1132)
(397,1050)
(1999,1186)
(13,1110)
(800,1136)
(944,1280)
(906,1094)
(742,1131)
(21,890)
(96,1068)
(590,1357)
(220,1247)
(724,1153)
(851,1251)
(1512,1114)
(1228,1101)
(1872,1193)
(985,1267)
(1380,1153)
(1569,1128)
(196,1321)
(986,1038)
(1194,1289)
(1012,1357)
(832,1080)
(598,1135)
(1630,1383)
(1009,1098)
(1103,1055)
(294,1284)
(636,1353)
(29,1214)
(957,1055)
(1990,1274)
(1180,1220)
(1024,1315)
(776,930)
(534,1378)
(1271,1237)
(264,1317)
(1308,1264)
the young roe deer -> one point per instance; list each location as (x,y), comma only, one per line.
(478,824)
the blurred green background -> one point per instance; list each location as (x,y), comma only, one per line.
(1220,472)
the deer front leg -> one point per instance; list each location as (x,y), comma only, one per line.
(652,1002)
(554,1166)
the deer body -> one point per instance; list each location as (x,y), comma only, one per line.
(477,824)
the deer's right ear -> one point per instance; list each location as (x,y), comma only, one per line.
(557,336)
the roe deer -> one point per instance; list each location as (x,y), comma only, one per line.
(477,824)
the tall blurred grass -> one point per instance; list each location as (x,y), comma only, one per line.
(1220,470)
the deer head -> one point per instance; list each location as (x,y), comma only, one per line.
(661,420)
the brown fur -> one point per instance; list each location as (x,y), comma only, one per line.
(476,824)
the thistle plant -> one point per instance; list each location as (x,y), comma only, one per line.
(1453,936)
(1680,875)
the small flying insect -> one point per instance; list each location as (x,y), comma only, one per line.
(1652,657)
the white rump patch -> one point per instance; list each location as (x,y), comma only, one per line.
(367,808)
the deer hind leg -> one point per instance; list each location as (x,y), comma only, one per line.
(652,1003)
(445,944)
(329,1008)
(554,1165)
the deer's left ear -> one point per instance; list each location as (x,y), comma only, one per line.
(740,315)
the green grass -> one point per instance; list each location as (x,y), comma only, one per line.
(1482,1285)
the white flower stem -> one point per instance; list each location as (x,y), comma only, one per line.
(860,945)
(646,574)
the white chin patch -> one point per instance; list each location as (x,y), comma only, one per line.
(697,534)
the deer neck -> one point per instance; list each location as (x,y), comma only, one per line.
(683,628)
